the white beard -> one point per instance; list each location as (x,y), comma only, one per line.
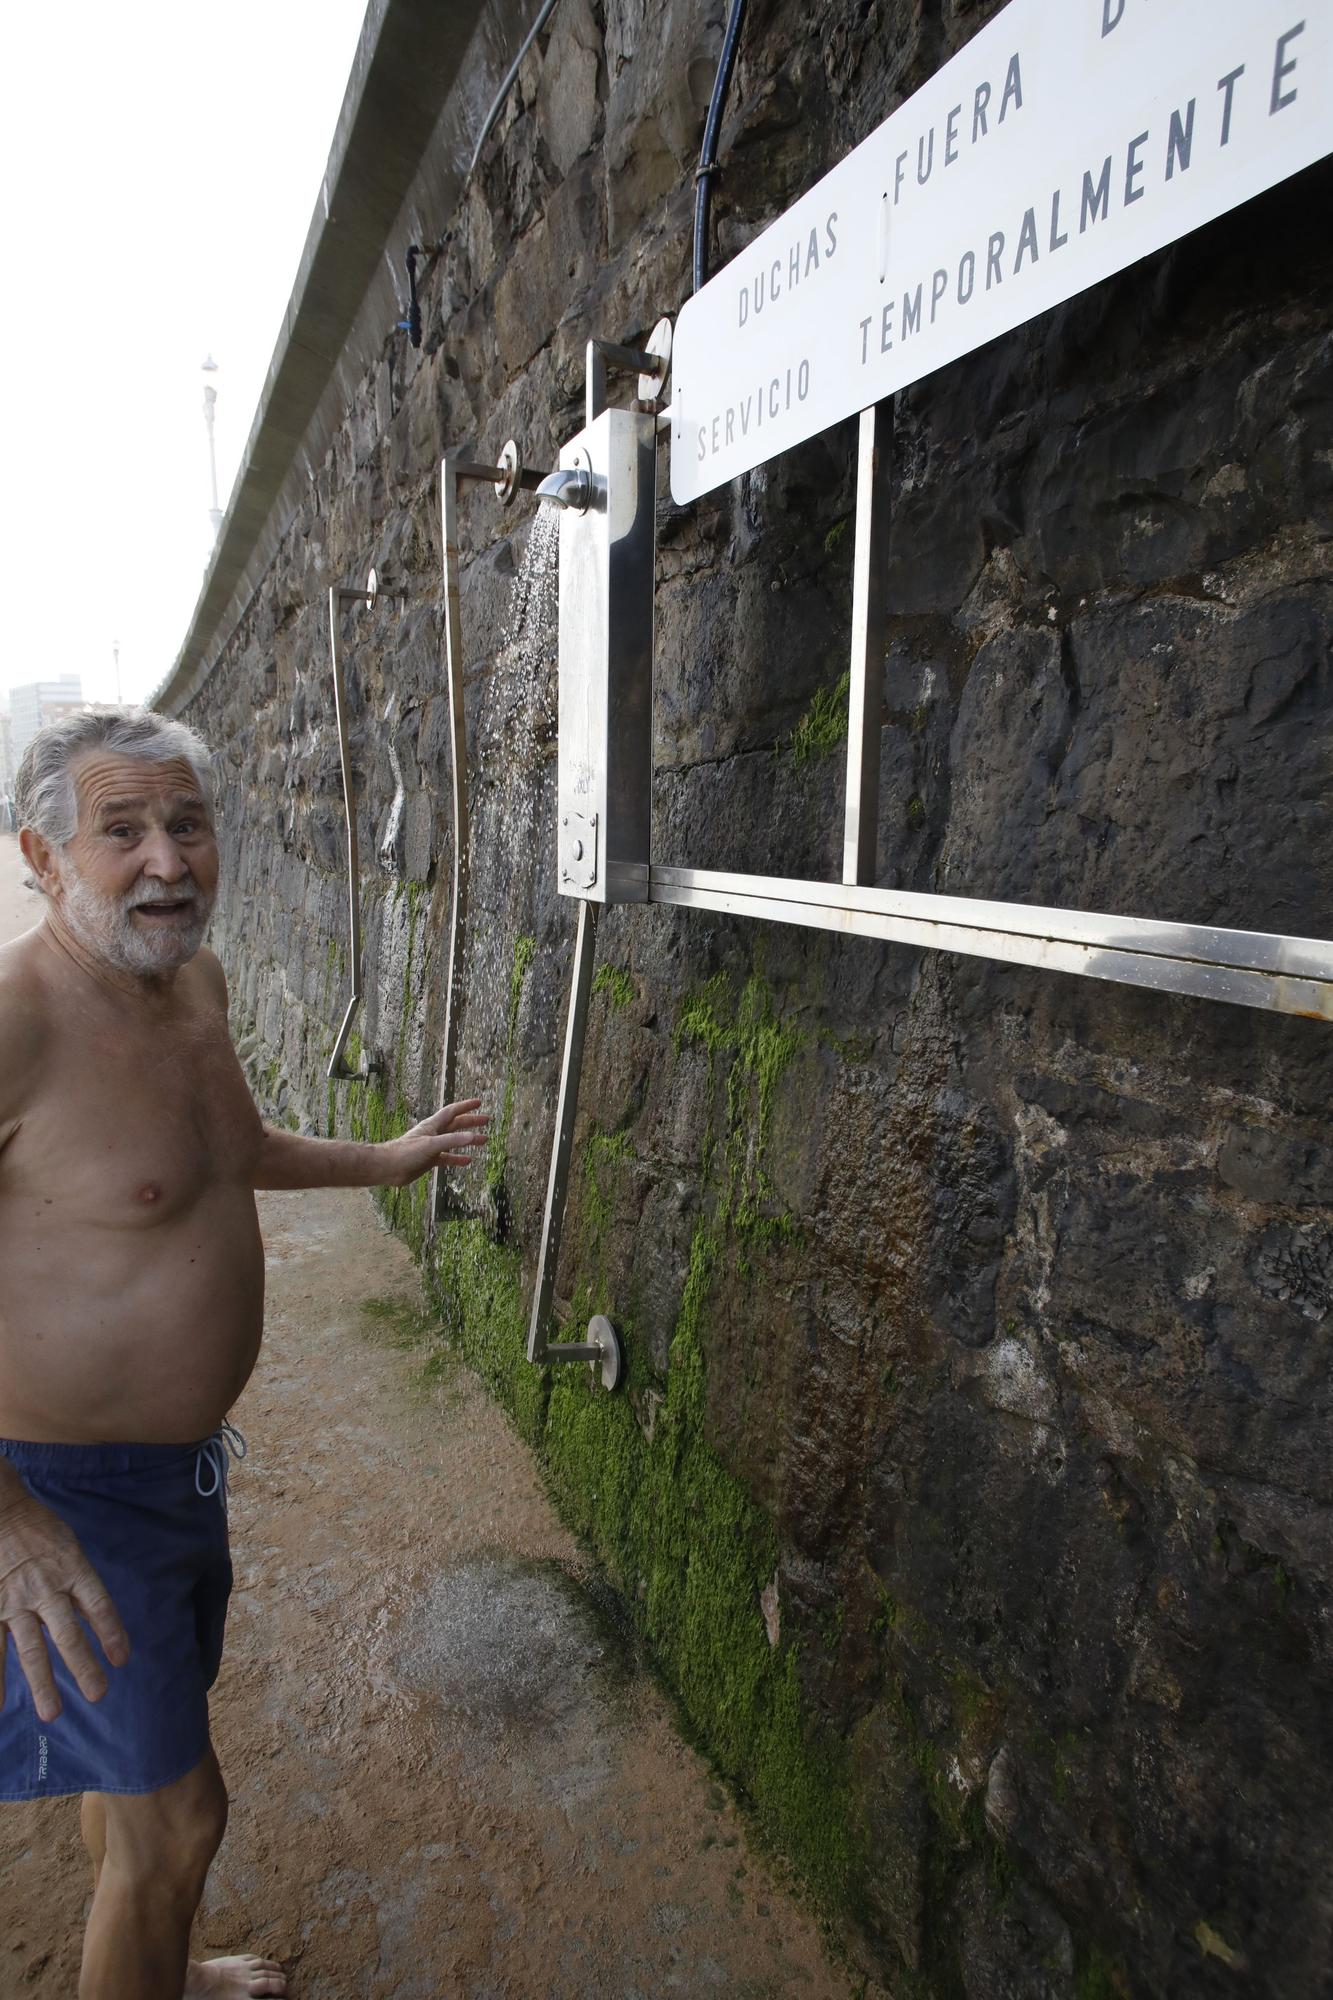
(106,926)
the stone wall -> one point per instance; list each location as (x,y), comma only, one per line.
(972,1485)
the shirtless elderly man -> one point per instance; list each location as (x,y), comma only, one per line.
(131,1306)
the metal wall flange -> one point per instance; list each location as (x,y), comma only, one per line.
(651,364)
(509,477)
(601,1333)
(652,381)
(372,1064)
(510,483)
(578,851)
(602,1351)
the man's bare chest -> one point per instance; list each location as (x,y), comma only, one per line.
(133,1129)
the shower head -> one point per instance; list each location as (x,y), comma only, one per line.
(570,487)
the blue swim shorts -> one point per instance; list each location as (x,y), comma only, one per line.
(152,1520)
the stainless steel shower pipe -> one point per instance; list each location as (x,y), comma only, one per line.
(574,486)
(603,1346)
(369,594)
(510,478)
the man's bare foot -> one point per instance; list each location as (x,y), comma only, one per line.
(233,1978)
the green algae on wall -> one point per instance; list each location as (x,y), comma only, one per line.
(374,1114)
(372,1120)
(616,983)
(603,1154)
(1097,1977)
(680,1534)
(823,726)
(497,1147)
(691,1552)
(475,1282)
(476,1286)
(757,1047)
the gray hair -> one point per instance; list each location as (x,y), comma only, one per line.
(44,789)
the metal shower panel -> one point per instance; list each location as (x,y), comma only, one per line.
(606,657)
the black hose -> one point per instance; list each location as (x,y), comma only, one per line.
(708,166)
(412,324)
(413,303)
(543,17)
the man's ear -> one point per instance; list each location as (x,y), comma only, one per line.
(41,858)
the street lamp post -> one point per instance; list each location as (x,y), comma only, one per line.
(209,367)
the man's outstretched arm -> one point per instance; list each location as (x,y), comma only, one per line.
(449,1138)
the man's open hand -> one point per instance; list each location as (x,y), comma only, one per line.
(447,1139)
(46,1581)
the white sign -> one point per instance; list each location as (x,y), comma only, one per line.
(1068,139)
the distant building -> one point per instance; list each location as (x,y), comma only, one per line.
(7,767)
(40,702)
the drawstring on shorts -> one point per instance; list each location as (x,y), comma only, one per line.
(213,1454)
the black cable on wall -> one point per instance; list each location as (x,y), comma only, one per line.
(708,166)
(488,122)
(411,326)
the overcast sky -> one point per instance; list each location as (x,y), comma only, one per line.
(160,162)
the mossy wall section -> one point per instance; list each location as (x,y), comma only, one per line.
(971,1484)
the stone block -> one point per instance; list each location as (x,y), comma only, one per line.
(660,1263)
(551,265)
(1268,1167)
(418,836)
(567,104)
(892,1804)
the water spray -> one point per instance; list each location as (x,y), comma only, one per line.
(605,488)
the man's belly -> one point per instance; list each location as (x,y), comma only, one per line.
(141,1336)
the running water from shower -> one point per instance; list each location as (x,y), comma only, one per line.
(512,779)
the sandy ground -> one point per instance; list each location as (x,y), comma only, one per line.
(449,1774)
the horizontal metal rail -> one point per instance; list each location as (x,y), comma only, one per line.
(1287,975)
